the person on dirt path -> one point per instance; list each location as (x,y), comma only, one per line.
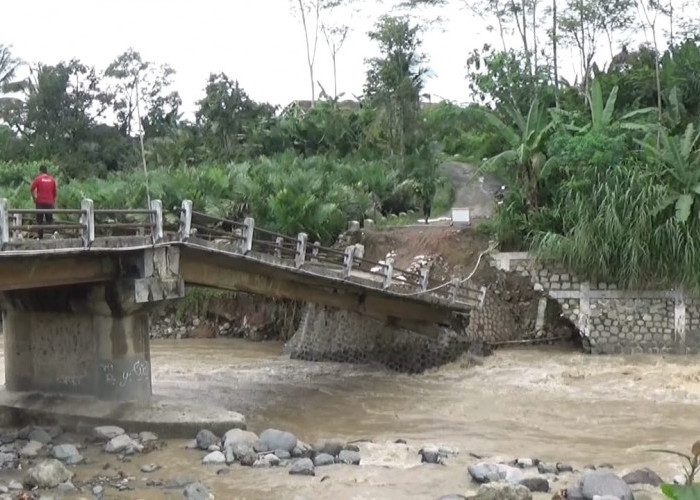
(44,193)
(426,208)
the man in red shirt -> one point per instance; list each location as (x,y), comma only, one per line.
(44,193)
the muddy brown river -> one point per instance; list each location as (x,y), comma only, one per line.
(551,403)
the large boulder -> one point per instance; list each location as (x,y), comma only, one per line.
(47,474)
(107,432)
(302,467)
(236,436)
(119,444)
(215,458)
(642,476)
(66,453)
(275,439)
(485,472)
(599,484)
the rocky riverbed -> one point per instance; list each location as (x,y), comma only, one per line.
(43,462)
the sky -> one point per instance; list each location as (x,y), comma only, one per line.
(259,42)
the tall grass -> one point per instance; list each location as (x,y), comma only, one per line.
(618,234)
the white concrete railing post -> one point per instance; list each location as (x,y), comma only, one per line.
(388,272)
(248,230)
(424,278)
(300,256)
(87,220)
(4,224)
(314,252)
(279,241)
(454,287)
(156,221)
(185,227)
(17,222)
(348,258)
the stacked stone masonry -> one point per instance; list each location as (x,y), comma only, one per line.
(610,320)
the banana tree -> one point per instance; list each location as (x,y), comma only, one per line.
(526,139)
(679,157)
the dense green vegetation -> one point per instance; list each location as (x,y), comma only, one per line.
(603,174)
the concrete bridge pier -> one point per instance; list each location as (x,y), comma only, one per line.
(90,340)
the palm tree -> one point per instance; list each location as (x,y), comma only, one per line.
(8,70)
(526,138)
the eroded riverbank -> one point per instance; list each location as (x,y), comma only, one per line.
(552,404)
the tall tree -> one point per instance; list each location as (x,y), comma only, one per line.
(309,12)
(225,114)
(135,81)
(395,80)
(335,31)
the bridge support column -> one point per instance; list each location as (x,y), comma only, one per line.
(88,340)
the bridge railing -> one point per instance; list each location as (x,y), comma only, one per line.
(244,237)
(84,223)
(231,235)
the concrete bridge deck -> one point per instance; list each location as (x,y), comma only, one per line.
(75,308)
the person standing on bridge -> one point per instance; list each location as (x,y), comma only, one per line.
(44,194)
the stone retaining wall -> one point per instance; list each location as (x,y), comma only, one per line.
(611,320)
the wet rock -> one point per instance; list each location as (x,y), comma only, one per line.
(241,449)
(244,454)
(6,459)
(606,466)
(642,476)
(302,467)
(272,459)
(485,472)
(261,463)
(430,455)
(536,484)
(215,457)
(15,485)
(31,449)
(275,439)
(525,463)
(214,447)
(98,490)
(235,436)
(146,437)
(65,452)
(502,491)
(351,447)
(192,445)
(589,467)
(119,444)
(206,438)
(196,491)
(107,432)
(561,467)
(283,454)
(148,468)
(40,435)
(349,457)
(47,474)
(599,483)
(66,487)
(400,441)
(332,447)
(323,459)
(546,468)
